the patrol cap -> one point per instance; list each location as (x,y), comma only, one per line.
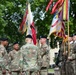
(15,43)
(29,36)
(4,39)
(43,36)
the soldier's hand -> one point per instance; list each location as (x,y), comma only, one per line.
(69,58)
(64,53)
(4,71)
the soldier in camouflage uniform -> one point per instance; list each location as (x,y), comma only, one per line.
(69,67)
(74,53)
(3,56)
(30,57)
(44,53)
(14,58)
(63,58)
(70,39)
(72,57)
(74,39)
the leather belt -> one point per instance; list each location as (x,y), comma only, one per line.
(43,68)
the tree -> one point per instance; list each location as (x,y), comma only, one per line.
(12,11)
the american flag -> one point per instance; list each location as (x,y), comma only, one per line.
(24,23)
(58,27)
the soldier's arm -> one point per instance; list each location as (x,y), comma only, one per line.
(39,57)
(10,55)
(3,51)
(45,51)
(48,55)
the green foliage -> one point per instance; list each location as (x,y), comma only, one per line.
(12,11)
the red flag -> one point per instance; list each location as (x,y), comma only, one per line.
(31,29)
(33,33)
(28,24)
(48,6)
(23,24)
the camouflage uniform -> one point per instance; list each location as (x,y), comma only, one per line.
(63,59)
(3,59)
(73,58)
(71,49)
(45,58)
(14,66)
(69,67)
(30,59)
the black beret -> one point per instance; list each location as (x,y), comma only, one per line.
(29,36)
(0,39)
(15,43)
(71,35)
(4,39)
(74,34)
(43,36)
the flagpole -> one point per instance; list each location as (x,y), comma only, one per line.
(68,37)
(68,29)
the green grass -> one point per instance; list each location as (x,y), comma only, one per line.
(50,70)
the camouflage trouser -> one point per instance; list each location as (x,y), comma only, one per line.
(74,67)
(44,72)
(62,68)
(67,68)
(0,72)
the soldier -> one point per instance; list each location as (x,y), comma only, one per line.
(72,59)
(30,57)
(74,38)
(44,53)
(3,55)
(63,58)
(14,58)
(70,39)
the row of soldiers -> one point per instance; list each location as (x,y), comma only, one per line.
(27,60)
(67,57)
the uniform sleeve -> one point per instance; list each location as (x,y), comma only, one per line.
(10,55)
(39,57)
(22,48)
(44,51)
(21,64)
(48,55)
(5,52)
(2,51)
(73,56)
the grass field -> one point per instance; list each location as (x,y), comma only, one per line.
(50,70)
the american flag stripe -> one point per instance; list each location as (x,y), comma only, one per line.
(55,24)
(58,26)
